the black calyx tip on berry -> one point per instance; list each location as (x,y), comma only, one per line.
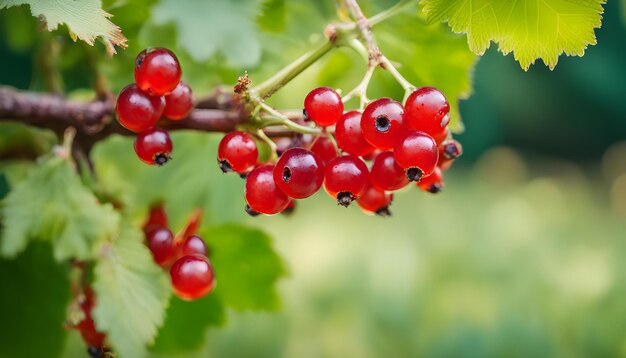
(225,166)
(414,174)
(452,149)
(243,175)
(435,188)
(383,212)
(160,159)
(95,352)
(383,124)
(306,116)
(140,59)
(288,211)
(345,198)
(251,212)
(286,174)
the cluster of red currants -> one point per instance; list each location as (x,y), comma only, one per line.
(157,92)
(409,143)
(87,328)
(185,254)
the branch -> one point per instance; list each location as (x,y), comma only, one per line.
(365,28)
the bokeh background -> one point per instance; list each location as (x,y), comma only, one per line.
(522,255)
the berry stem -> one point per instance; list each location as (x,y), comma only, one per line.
(392,11)
(360,91)
(281,119)
(262,136)
(408,86)
(267,88)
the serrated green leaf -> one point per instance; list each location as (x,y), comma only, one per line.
(187,322)
(132,294)
(32,306)
(246,267)
(85,19)
(52,203)
(531,29)
(206,28)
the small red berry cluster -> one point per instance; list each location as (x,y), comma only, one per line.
(409,143)
(185,254)
(86,326)
(157,92)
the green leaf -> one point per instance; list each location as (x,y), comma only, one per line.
(85,19)
(273,16)
(4,186)
(531,29)
(32,305)
(205,28)
(132,294)
(187,322)
(52,203)
(246,267)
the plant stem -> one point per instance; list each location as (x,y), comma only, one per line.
(280,119)
(267,88)
(392,11)
(386,64)
(360,90)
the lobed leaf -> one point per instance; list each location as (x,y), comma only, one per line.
(132,294)
(85,19)
(531,29)
(52,203)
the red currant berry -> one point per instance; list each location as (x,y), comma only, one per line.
(179,103)
(324,149)
(299,173)
(193,245)
(262,194)
(441,136)
(427,110)
(192,277)
(450,149)
(346,179)
(432,183)
(156,218)
(323,106)
(153,146)
(371,156)
(161,244)
(382,123)
(386,174)
(157,71)
(136,110)
(87,327)
(417,153)
(349,135)
(375,201)
(237,152)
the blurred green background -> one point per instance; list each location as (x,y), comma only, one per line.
(522,255)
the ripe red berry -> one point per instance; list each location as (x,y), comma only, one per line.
(417,153)
(299,173)
(153,146)
(432,183)
(192,277)
(193,245)
(238,152)
(427,110)
(450,149)
(136,110)
(161,244)
(179,102)
(375,201)
(87,327)
(441,136)
(386,174)
(346,179)
(323,106)
(350,136)
(156,218)
(157,71)
(262,194)
(382,123)
(324,148)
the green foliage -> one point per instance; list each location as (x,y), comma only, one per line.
(530,29)
(35,292)
(206,28)
(132,293)
(273,16)
(85,19)
(52,203)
